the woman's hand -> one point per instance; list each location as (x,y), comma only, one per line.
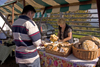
(60,40)
(63,40)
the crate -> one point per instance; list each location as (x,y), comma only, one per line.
(63,54)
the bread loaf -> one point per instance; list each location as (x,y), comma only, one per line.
(64,49)
(54,44)
(49,47)
(55,48)
(89,45)
(96,40)
(93,38)
(53,38)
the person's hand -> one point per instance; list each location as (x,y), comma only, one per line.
(60,40)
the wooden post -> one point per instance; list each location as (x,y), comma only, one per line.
(23,3)
(98,8)
(12,13)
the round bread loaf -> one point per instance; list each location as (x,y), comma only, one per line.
(89,45)
(93,38)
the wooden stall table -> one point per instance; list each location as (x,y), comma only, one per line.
(50,60)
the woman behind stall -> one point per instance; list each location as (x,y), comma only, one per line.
(65,31)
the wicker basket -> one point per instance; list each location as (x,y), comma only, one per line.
(85,54)
(63,54)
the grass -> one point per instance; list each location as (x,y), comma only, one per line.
(74,36)
(77,36)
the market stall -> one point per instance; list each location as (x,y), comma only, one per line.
(49,59)
(71,55)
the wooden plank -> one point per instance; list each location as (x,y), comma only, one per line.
(75,21)
(75,18)
(81,34)
(76,26)
(85,35)
(86,30)
(98,8)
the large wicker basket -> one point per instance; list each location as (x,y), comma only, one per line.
(63,54)
(85,54)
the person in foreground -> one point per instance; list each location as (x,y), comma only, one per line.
(27,38)
(65,31)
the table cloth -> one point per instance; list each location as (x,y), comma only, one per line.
(50,60)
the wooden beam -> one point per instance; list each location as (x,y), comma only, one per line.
(12,13)
(98,8)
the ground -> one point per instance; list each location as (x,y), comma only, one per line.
(9,62)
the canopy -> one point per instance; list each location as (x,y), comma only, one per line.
(63,5)
(16,7)
(51,5)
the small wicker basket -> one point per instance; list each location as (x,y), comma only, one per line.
(63,54)
(85,54)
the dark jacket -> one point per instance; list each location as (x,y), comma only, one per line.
(65,34)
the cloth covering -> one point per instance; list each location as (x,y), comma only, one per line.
(5,52)
(51,60)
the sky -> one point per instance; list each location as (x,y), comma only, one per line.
(2,2)
(94,15)
(1,20)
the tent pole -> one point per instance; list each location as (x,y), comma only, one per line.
(98,8)
(41,20)
(12,13)
(24,3)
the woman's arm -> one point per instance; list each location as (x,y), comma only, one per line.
(69,37)
(58,34)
